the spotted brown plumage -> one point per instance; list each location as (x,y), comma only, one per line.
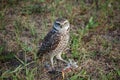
(56,40)
(49,43)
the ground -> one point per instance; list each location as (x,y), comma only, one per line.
(94,42)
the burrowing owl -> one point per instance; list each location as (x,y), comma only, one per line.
(56,40)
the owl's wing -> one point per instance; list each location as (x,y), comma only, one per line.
(49,43)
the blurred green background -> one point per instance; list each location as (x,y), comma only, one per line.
(94,42)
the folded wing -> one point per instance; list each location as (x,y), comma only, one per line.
(49,43)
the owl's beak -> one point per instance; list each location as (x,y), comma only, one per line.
(68,29)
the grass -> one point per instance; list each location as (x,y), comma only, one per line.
(2,15)
(90,44)
(31,9)
(76,42)
(16,73)
(80,76)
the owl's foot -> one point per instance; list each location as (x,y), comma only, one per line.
(73,64)
(70,66)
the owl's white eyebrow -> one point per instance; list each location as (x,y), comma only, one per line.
(65,22)
(58,22)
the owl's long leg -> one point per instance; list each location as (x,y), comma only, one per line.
(60,58)
(51,59)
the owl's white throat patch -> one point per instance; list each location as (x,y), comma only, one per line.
(67,27)
(55,28)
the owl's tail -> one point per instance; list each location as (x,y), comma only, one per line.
(39,54)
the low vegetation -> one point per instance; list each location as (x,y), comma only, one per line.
(94,42)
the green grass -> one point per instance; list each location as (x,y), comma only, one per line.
(28,73)
(80,76)
(31,9)
(76,39)
(5,56)
(2,15)
(25,20)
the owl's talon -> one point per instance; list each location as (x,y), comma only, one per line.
(70,66)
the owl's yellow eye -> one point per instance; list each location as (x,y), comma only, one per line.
(58,25)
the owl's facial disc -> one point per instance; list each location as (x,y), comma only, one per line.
(61,25)
(66,25)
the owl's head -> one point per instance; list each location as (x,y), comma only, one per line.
(61,25)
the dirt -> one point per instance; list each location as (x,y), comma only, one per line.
(101,43)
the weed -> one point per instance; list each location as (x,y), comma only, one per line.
(1,49)
(2,15)
(32,29)
(7,57)
(80,76)
(31,9)
(74,45)
(23,67)
(91,24)
(76,40)
(23,18)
